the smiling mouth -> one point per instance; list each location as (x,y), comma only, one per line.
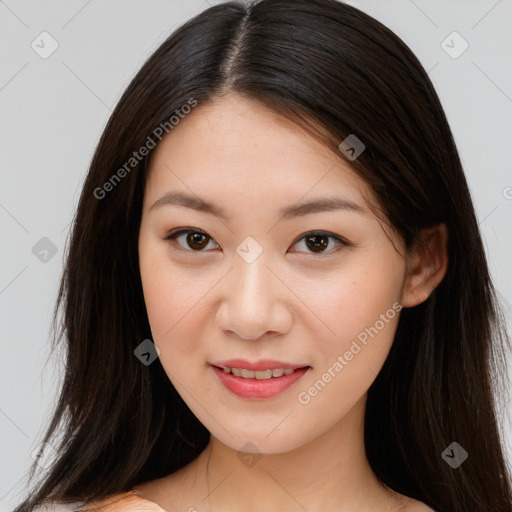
(259,374)
(258,384)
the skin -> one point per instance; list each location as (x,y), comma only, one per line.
(291,304)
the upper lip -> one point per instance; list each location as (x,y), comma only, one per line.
(264,364)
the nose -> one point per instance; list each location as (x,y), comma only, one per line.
(254,301)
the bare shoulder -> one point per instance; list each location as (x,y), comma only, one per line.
(419,507)
(182,490)
(160,488)
(402,503)
(412,505)
(177,491)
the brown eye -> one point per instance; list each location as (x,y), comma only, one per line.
(197,240)
(318,241)
(194,239)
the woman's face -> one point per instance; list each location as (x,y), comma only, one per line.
(262,285)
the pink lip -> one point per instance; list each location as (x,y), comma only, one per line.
(264,364)
(257,389)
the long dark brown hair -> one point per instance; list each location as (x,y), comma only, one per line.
(337,71)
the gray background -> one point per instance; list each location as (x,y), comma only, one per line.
(53,111)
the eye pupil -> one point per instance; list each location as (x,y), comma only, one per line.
(195,238)
(319,242)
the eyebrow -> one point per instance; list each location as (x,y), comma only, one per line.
(297,210)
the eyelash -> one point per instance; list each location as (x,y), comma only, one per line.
(171,237)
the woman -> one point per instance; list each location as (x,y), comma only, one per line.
(276,295)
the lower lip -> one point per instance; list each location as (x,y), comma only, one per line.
(255,389)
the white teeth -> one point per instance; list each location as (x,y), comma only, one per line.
(258,374)
(263,375)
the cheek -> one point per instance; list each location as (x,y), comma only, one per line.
(360,305)
(176,319)
(172,302)
(364,318)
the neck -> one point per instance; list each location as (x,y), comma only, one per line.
(329,473)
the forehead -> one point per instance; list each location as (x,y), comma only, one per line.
(234,147)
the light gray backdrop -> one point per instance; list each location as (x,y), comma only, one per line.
(64,65)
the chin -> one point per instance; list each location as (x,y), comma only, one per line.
(261,442)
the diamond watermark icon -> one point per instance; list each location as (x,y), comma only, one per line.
(249,455)
(43,454)
(147,352)
(44,45)
(454,455)
(454,45)
(44,250)
(351,147)
(249,250)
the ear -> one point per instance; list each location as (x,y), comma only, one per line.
(426,265)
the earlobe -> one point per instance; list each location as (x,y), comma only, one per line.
(427,263)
